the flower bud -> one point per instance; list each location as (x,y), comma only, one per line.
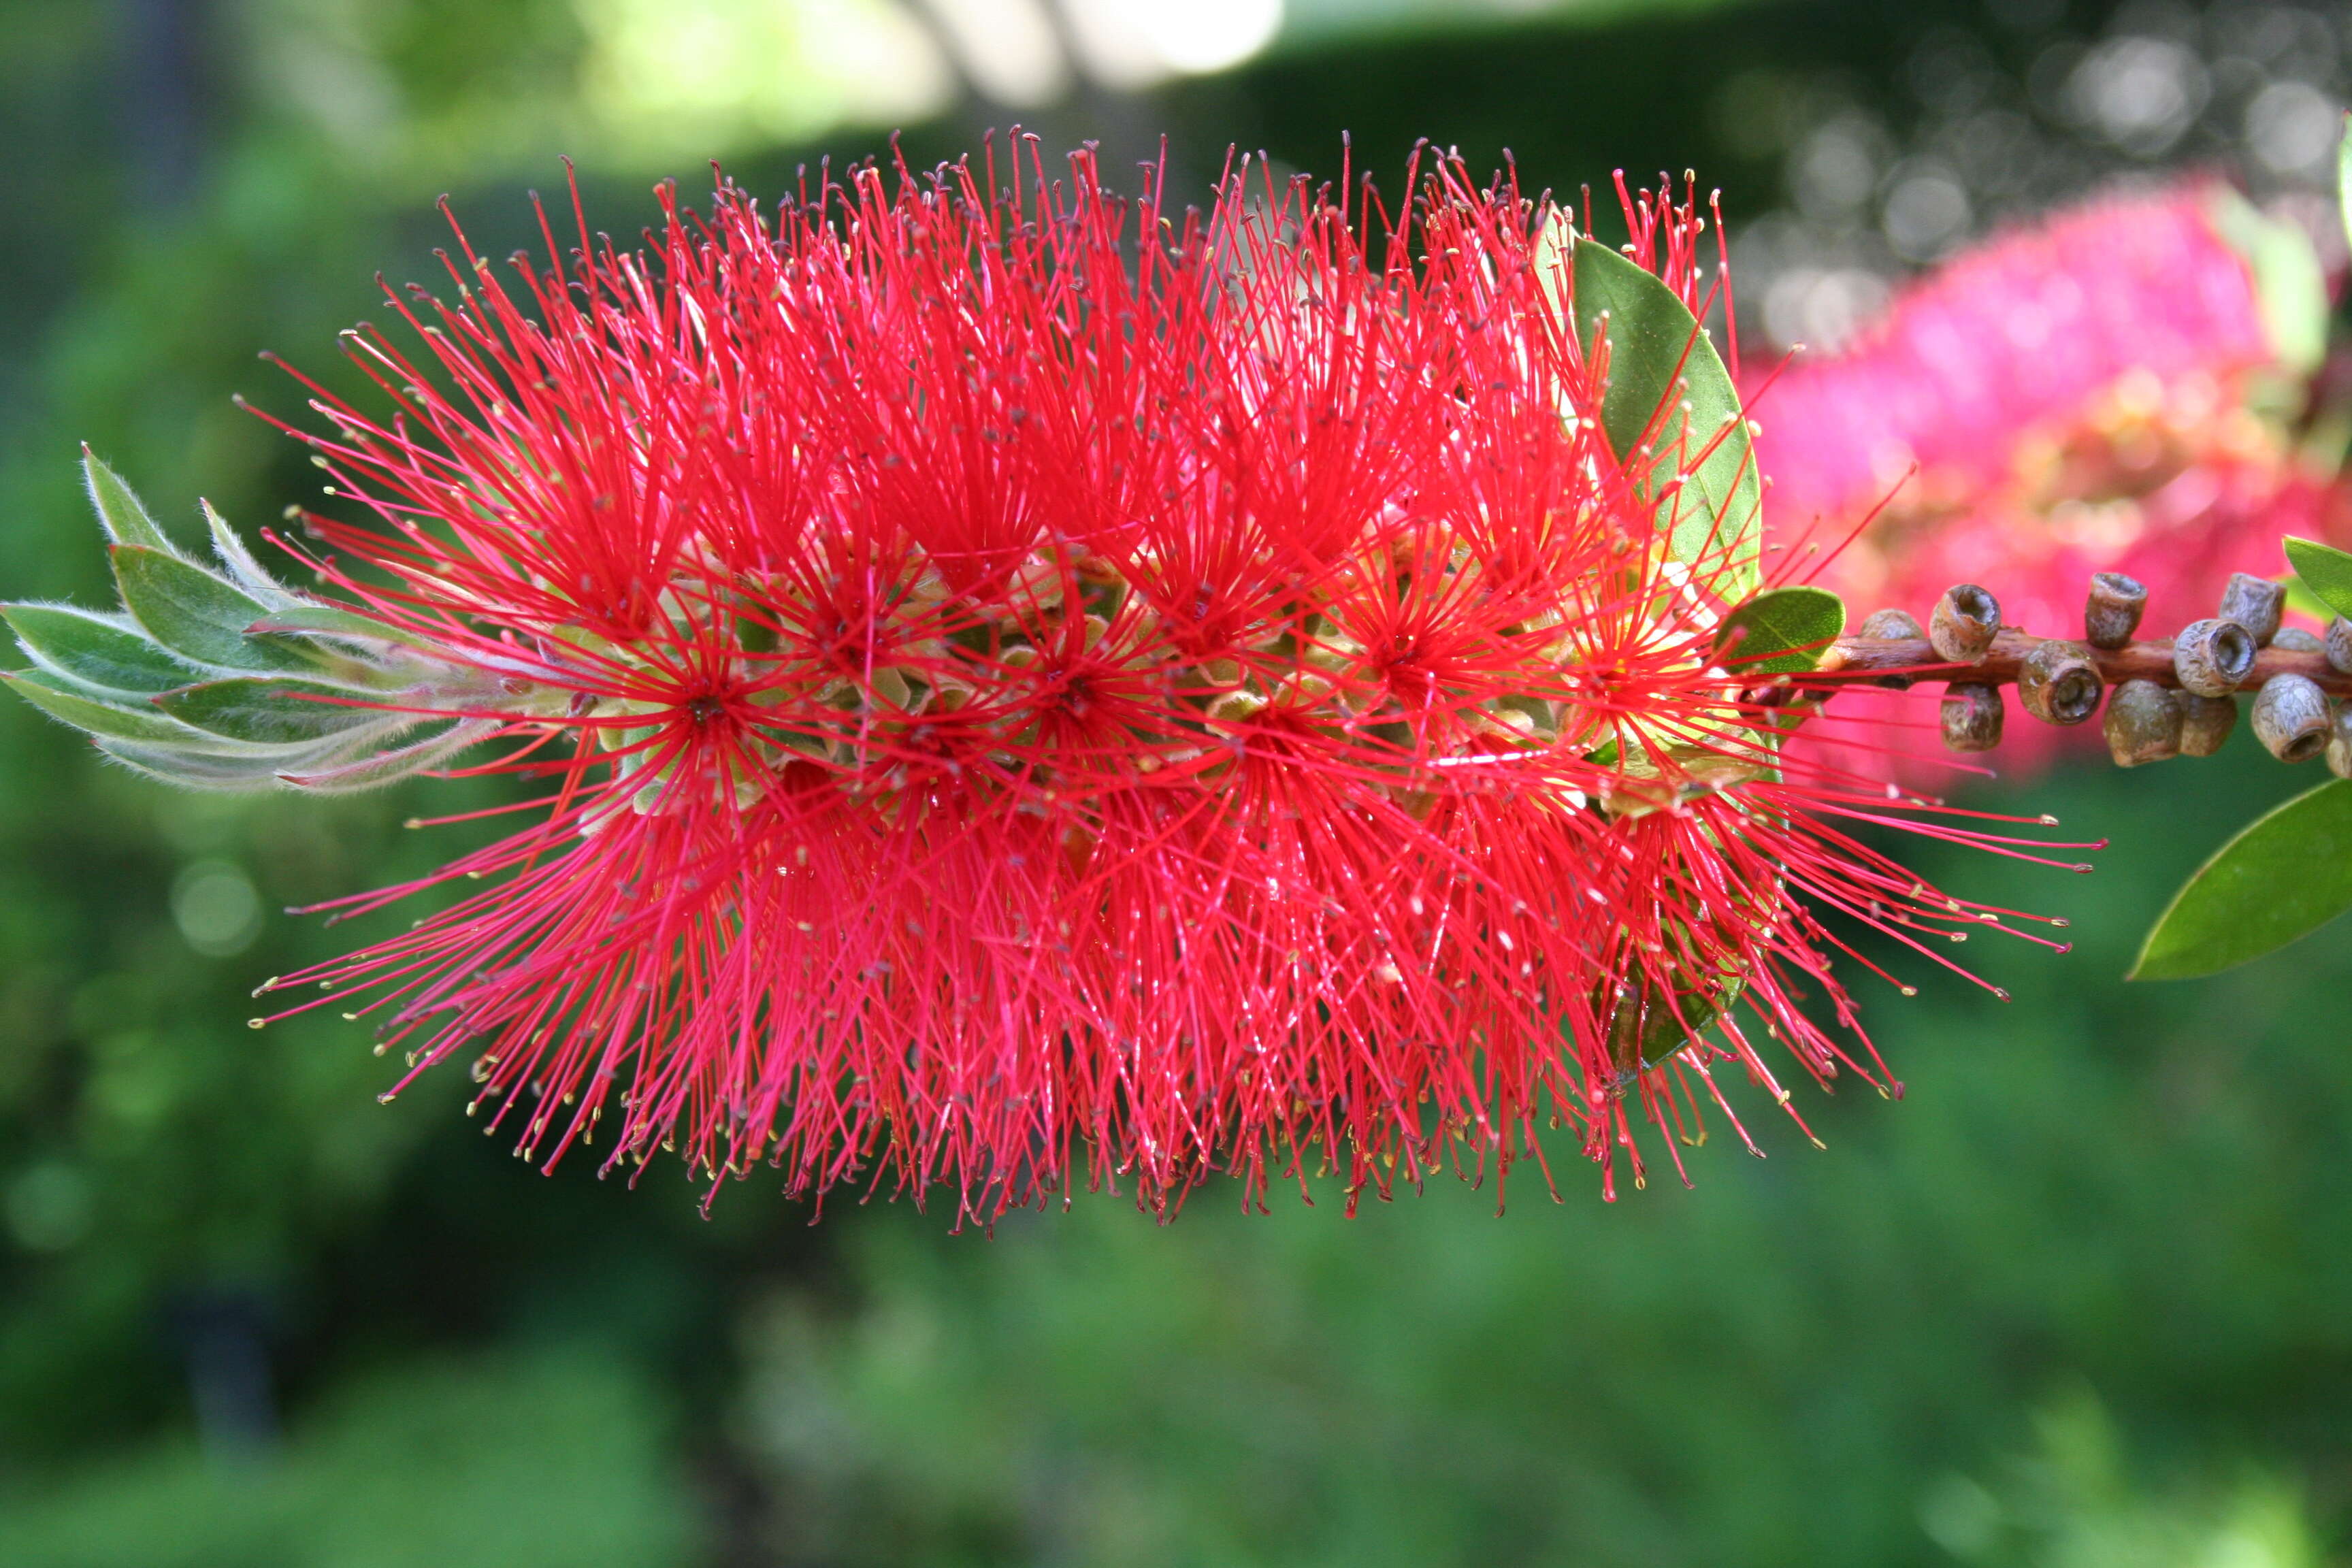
(2339,645)
(2205,723)
(2254,604)
(2339,743)
(2294,640)
(2143,723)
(2212,657)
(2112,612)
(2290,718)
(2058,684)
(1962,627)
(1971,715)
(1891,625)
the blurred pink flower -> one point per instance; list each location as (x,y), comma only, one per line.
(2068,398)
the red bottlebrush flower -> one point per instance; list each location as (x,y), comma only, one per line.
(1027,684)
(2070,398)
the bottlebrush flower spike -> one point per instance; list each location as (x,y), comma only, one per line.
(2066,399)
(1025,684)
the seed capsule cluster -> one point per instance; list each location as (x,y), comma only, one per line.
(2173,697)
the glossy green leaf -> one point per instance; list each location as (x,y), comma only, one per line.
(86,712)
(2322,569)
(2289,287)
(107,652)
(1781,630)
(194,613)
(2283,877)
(1669,395)
(120,513)
(2303,601)
(268,710)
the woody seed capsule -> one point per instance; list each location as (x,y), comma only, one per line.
(2205,723)
(2254,604)
(2339,743)
(2143,723)
(1962,627)
(2058,684)
(2290,718)
(2294,640)
(1971,716)
(2112,612)
(1893,626)
(2212,656)
(2339,645)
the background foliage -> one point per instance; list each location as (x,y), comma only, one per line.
(2077,1301)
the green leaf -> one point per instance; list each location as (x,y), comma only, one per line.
(118,511)
(1781,630)
(2289,287)
(82,712)
(192,768)
(2283,877)
(2344,178)
(194,613)
(107,652)
(2322,569)
(1669,393)
(269,710)
(333,621)
(2303,601)
(388,767)
(238,562)
(1645,1031)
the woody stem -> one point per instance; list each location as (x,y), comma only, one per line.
(1851,659)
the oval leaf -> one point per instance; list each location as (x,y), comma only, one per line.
(1669,393)
(103,651)
(2283,877)
(1781,630)
(2322,569)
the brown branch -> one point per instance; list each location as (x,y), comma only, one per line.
(1854,659)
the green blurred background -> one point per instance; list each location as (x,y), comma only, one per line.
(2083,1298)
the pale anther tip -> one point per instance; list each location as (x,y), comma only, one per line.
(254,1023)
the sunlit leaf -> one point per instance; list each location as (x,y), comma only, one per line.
(1781,630)
(1669,395)
(2283,877)
(2322,569)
